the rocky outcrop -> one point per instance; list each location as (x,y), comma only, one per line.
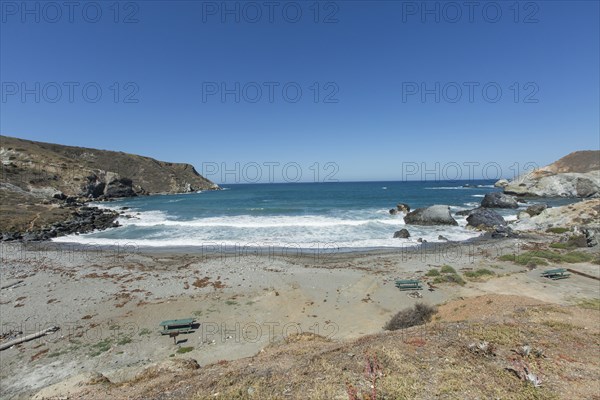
(402,207)
(464,212)
(82,220)
(575,175)
(536,209)
(43,184)
(434,215)
(122,187)
(402,234)
(485,218)
(501,183)
(498,200)
(580,215)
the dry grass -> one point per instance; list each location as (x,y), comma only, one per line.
(430,361)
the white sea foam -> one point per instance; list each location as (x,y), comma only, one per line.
(158,229)
(308,241)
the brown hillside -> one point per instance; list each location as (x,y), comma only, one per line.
(33,165)
(578,161)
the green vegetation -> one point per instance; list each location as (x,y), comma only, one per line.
(446,274)
(124,340)
(145,331)
(446,269)
(101,347)
(557,230)
(183,350)
(449,278)
(231,303)
(540,257)
(479,273)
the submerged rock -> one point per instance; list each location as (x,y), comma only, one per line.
(434,215)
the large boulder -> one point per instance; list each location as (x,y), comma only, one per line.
(503,232)
(499,200)
(434,215)
(402,234)
(484,218)
(585,187)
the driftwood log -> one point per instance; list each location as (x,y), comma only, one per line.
(27,338)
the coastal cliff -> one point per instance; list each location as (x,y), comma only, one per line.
(575,175)
(44,184)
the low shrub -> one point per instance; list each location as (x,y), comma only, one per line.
(479,273)
(449,278)
(539,257)
(183,350)
(557,230)
(420,314)
(446,269)
(433,272)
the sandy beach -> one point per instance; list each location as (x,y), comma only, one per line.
(108,302)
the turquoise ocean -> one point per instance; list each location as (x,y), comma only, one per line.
(346,215)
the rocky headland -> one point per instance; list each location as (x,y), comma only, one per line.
(44,186)
(575,175)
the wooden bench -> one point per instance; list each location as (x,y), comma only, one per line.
(177,326)
(559,273)
(409,284)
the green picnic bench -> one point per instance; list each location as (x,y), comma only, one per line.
(409,284)
(177,326)
(559,273)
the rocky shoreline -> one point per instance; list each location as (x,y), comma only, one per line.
(83,219)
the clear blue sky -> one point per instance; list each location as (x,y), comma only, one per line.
(372,57)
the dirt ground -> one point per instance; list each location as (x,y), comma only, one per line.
(108,303)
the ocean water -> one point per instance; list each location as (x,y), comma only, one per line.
(348,215)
